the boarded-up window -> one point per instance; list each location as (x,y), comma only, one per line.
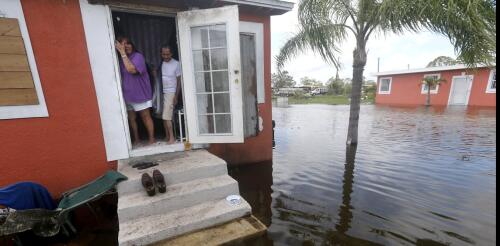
(16,83)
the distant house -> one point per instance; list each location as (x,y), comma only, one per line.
(463,86)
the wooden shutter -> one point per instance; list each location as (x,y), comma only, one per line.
(16,83)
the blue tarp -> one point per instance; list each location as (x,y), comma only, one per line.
(26,195)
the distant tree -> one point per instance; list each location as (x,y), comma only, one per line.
(347,88)
(431,82)
(442,61)
(306,81)
(369,90)
(336,85)
(282,79)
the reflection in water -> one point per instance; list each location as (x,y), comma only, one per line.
(345,213)
(419,176)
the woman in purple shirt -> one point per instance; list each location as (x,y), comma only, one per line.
(136,87)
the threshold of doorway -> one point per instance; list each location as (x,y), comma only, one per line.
(162,147)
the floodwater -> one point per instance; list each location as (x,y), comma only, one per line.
(419,176)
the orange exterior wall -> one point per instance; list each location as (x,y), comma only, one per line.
(66,149)
(259,148)
(406,89)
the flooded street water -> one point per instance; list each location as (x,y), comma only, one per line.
(419,177)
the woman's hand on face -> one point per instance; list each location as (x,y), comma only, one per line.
(120,47)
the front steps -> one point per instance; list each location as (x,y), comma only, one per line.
(197,185)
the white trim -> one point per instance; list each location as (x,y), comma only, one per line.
(13,9)
(490,81)
(469,90)
(435,91)
(257,29)
(427,70)
(272,4)
(380,86)
(99,36)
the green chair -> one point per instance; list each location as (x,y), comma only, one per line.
(47,223)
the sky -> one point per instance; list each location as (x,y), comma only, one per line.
(396,52)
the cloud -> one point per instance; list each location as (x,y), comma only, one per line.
(396,52)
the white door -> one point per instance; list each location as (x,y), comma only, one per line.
(460,90)
(210,57)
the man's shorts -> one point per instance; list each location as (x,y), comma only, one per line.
(168,106)
(139,106)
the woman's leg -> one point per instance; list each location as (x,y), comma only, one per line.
(148,122)
(133,124)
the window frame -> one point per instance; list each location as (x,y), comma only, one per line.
(490,82)
(257,30)
(13,9)
(380,86)
(435,91)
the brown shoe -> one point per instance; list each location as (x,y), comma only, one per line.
(148,184)
(159,181)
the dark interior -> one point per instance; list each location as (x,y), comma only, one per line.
(148,33)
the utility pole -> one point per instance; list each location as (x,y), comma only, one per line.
(378,65)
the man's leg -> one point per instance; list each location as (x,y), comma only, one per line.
(133,125)
(171,137)
(148,122)
(168,108)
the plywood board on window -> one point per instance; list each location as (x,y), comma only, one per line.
(16,80)
(12,45)
(9,27)
(13,97)
(13,63)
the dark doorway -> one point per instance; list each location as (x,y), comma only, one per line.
(148,34)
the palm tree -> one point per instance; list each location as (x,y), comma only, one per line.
(429,82)
(325,24)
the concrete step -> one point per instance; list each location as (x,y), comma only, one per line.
(176,167)
(138,204)
(159,227)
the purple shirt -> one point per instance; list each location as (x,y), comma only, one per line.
(136,87)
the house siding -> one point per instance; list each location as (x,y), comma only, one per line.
(406,89)
(66,149)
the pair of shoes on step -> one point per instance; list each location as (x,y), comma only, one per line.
(150,183)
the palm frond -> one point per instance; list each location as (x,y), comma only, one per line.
(322,40)
(469,24)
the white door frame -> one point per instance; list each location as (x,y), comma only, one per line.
(470,79)
(99,34)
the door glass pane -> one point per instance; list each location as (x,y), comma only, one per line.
(218,36)
(203,82)
(210,58)
(206,124)
(205,105)
(222,103)
(199,37)
(223,123)
(219,59)
(201,59)
(221,81)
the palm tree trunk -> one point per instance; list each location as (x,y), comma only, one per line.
(359,63)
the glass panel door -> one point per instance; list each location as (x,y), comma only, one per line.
(210,56)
